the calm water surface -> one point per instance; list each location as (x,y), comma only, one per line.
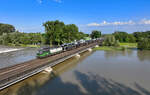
(17,57)
(94,73)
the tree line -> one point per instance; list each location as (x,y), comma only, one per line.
(142,38)
(18,38)
(9,35)
(6,28)
(57,32)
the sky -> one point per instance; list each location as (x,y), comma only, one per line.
(104,15)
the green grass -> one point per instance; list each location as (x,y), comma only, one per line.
(108,48)
(22,45)
(129,45)
(123,46)
(33,46)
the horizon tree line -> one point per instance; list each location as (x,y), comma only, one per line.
(57,32)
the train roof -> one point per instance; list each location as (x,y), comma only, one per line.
(48,47)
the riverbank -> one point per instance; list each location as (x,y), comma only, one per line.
(108,48)
(129,45)
(5,50)
(123,46)
(22,45)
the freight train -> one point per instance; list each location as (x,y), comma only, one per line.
(49,51)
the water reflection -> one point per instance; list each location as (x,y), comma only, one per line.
(143,55)
(110,54)
(95,73)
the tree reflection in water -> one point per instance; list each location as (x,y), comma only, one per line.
(143,55)
(115,53)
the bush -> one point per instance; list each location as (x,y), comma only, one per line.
(95,34)
(144,43)
(117,44)
(110,41)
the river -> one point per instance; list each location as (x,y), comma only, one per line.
(94,73)
(17,57)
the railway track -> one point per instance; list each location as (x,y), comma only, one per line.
(13,72)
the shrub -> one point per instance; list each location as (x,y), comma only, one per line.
(144,43)
(110,41)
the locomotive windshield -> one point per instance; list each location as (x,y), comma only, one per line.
(40,52)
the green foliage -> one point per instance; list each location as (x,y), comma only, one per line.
(5,39)
(143,39)
(8,36)
(125,37)
(6,28)
(110,41)
(106,48)
(71,32)
(53,30)
(129,45)
(17,38)
(57,32)
(144,43)
(121,36)
(131,38)
(117,44)
(95,34)
(140,35)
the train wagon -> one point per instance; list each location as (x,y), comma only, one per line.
(48,51)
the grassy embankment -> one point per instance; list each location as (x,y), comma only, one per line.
(122,46)
(22,45)
(129,45)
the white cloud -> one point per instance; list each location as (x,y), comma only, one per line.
(145,21)
(128,26)
(116,23)
(105,23)
(93,24)
(130,22)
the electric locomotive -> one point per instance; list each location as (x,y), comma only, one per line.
(48,51)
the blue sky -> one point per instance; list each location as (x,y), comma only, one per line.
(105,15)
